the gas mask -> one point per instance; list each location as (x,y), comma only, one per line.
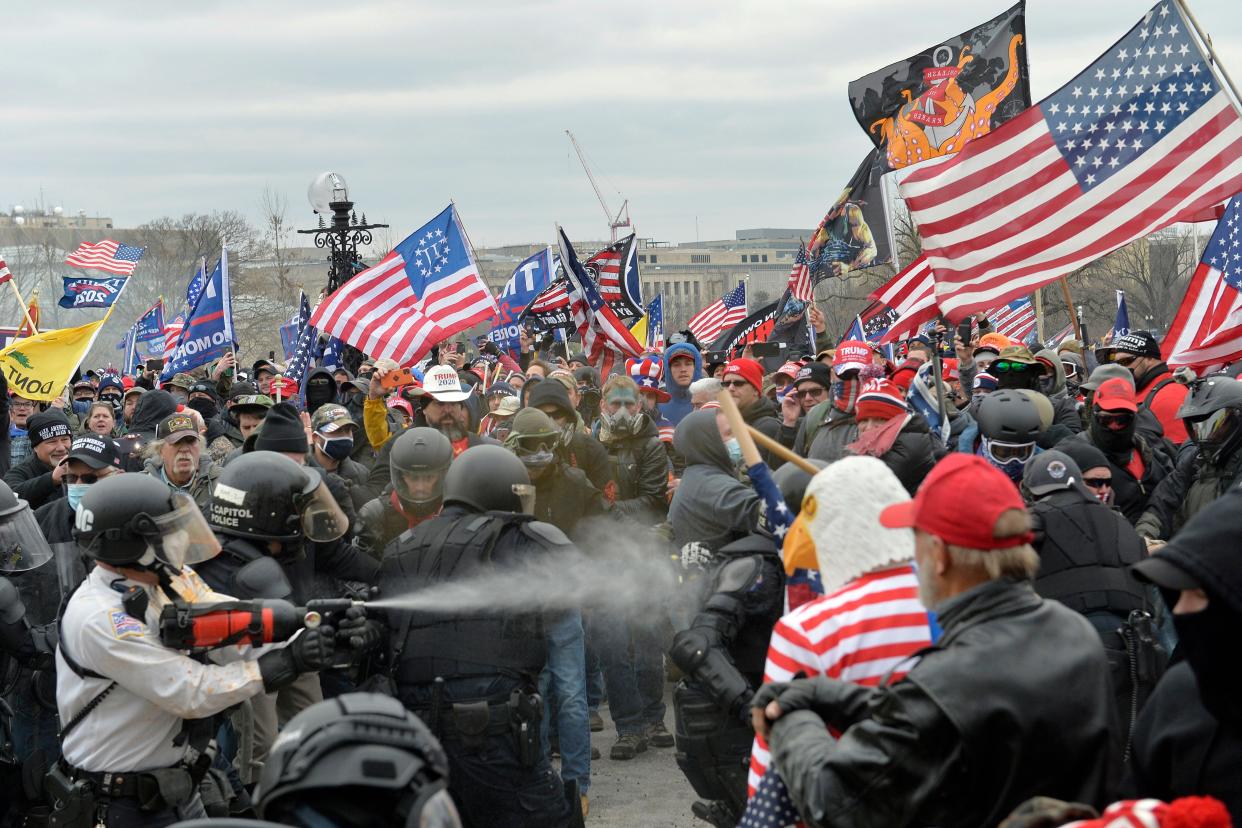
(626,419)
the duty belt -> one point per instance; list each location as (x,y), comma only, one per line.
(467,721)
(152,788)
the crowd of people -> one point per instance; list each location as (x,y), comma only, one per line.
(971,585)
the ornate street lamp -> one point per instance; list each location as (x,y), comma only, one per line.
(328,193)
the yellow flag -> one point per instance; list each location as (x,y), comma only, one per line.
(39,367)
(639,329)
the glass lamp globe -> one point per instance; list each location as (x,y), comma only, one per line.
(325,189)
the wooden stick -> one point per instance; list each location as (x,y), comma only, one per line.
(782,452)
(21,303)
(1069,306)
(750,454)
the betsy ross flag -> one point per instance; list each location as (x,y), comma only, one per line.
(800,286)
(603,335)
(1207,329)
(720,315)
(107,255)
(911,294)
(1144,137)
(5,273)
(1015,320)
(427,289)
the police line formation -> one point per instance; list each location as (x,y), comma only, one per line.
(975,584)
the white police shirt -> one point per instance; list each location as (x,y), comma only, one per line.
(133,728)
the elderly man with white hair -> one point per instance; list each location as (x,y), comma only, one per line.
(703,393)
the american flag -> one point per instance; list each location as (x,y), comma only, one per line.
(1144,137)
(655,324)
(427,289)
(800,286)
(771,806)
(172,334)
(1060,336)
(719,316)
(306,341)
(5,273)
(107,255)
(554,298)
(603,335)
(912,296)
(195,288)
(606,267)
(1015,320)
(1207,329)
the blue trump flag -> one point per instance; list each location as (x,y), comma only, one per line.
(528,280)
(1121,325)
(150,326)
(91,293)
(208,331)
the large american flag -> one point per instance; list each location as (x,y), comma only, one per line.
(720,315)
(1144,137)
(1207,329)
(427,289)
(1015,320)
(800,286)
(603,335)
(912,296)
(107,255)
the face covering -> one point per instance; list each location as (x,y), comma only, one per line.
(180,397)
(204,406)
(80,407)
(1113,442)
(1011,468)
(735,451)
(1205,639)
(74,492)
(338,448)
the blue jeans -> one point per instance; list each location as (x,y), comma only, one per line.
(633,671)
(563,687)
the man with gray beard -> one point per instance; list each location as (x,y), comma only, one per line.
(1012,701)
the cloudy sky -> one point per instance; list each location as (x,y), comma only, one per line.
(731,113)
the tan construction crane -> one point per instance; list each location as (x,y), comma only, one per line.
(622,217)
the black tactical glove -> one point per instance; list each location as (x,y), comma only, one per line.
(356,632)
(307,653)
(839,703)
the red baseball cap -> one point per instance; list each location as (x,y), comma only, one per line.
(936,507)
(747,369)
(851,355)
(1115,395)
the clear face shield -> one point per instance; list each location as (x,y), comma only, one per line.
(420,486)
(22,545)
(322,518)
(184,538)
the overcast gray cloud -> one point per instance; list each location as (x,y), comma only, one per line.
(731,111)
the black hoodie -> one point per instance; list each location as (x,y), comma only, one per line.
(712,505)
(319,389)
(583,451)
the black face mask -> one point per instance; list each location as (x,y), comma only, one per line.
(204,406)
(1208,641)
(1116,443)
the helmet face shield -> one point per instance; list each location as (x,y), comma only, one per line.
(421,486)
(184,536)
(322,518)
(22,545)
(1215,428)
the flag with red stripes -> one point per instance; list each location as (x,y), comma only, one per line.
(1142,138)
(800,286)
(615,271)
(427,289)
(912,295)
(5,273)
(604,336)
(1015,320)
(1207,329)
(107,255)
(719,316)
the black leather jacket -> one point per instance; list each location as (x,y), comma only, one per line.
(1013,701)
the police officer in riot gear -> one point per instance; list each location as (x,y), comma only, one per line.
(722,653)
(471,675)
(1085,551)
(361,760)
(137,716)
(419,460)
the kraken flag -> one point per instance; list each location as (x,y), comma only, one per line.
(935,102)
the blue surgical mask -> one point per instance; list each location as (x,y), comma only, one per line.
(735,450)
(74,492)
(338,448)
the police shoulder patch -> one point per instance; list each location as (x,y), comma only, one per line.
(125,625)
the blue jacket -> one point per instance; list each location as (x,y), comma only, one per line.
(679,406)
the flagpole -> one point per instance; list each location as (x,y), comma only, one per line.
(1039,314)
(22,304)
(1207,41)
(1069,308)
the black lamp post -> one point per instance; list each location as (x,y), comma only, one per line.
(329,194)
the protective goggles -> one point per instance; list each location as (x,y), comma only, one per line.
(1002,452)
(1114,420)
(1008,366)
(1071,369)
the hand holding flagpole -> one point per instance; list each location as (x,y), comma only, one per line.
(7,276)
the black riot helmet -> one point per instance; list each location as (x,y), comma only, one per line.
(792,481)
(360,759)
(1009,416)
(266,496)
(137,521)
(489,479)
(1212,412)
(419,460)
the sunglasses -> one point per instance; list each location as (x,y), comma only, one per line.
(1125,361)
(1005,366)
(810,393)
(734,383)
(1115,422)
(88,479)
(1097,482)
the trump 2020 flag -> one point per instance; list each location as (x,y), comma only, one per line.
(427,289)
(91,293)
(150,326)
(528,280)
(1143,137)
(208,330)
(1207,329)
